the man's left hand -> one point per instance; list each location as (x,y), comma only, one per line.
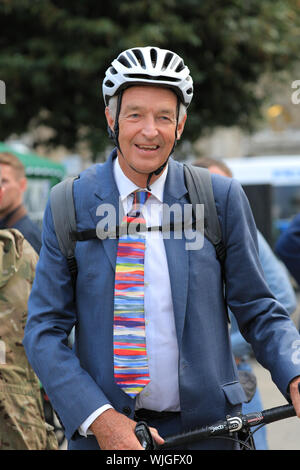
(295,394)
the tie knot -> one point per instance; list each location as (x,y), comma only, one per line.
(139,199)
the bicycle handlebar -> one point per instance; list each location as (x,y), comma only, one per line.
(220,428)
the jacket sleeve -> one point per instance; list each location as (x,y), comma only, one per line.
(51,316)
(278,282)
(262,320)
(288,248)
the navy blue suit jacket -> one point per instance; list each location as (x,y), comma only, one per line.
(80,381)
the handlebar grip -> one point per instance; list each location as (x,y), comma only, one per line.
(144,436)
(276,414)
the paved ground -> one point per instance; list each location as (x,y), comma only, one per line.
(282,435)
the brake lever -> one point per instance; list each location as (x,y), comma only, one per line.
(144,436)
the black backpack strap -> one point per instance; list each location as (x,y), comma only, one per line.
(64,219)
(199,185)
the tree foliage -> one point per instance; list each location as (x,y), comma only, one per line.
(54,54)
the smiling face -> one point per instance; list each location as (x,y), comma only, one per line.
(147,124)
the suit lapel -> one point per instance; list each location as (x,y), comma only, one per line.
(177,255)
(106,195)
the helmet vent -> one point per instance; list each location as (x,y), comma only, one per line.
(167,60)
(113,71)
(124,61)
(179,67)
(151,78)
(138,54)
(130,56)
(153,55)
(109,83)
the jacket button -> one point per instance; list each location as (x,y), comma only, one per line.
(126,410)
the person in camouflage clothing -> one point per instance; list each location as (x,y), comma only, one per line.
(22,421)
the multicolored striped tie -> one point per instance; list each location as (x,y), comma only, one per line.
(130,355)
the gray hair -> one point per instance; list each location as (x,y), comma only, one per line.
(112,107)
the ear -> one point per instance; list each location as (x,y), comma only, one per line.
(110,120)
(23,184)
(180,126)
(1,193)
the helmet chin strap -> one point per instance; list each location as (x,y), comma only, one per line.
(114,135)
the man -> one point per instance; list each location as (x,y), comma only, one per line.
(22,421)
(12,211)
(193,379)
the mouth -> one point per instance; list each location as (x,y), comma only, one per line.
(147,148)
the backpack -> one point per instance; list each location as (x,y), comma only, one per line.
(198,182)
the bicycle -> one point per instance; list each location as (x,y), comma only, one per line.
(237,428)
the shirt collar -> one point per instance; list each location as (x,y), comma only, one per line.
(126,186)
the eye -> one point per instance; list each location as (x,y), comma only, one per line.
(165,118)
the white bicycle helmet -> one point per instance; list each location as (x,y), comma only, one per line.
(148,66)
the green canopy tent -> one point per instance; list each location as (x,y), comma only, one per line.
(42,174)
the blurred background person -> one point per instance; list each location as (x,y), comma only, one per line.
(278,281)
(22,421)
(13,213)
(288,248)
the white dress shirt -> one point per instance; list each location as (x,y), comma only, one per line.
(162,393)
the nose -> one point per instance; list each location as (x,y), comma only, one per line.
(149,129)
